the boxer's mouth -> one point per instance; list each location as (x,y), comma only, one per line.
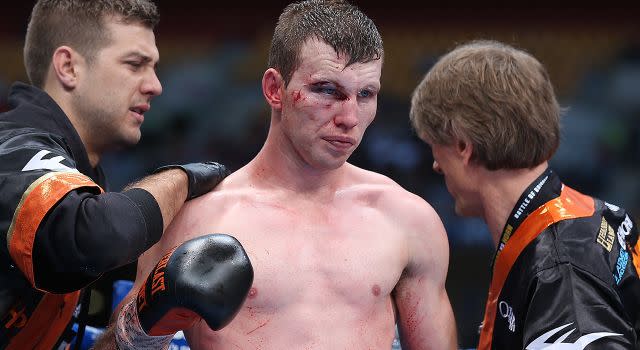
(341,142)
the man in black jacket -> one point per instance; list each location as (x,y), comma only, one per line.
(92,70)
(565,274)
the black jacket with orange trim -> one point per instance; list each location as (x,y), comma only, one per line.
(574,286)
(59,230)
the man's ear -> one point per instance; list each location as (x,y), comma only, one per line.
(65,66)
(465,150)
(273,88)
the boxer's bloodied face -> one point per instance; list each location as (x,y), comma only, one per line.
(115,88)
(327,106)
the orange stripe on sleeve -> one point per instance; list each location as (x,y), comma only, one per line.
(34,205)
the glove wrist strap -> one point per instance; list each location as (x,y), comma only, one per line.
(130,335)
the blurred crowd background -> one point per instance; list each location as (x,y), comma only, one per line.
(213,56)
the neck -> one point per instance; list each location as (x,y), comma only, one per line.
(279,165)
(501,191)
(63,100)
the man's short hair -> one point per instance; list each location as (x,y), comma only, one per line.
(339,24)
(497,97)
(78,24)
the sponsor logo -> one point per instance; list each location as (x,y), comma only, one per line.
(158,274)
(505,236)
(530,197)
(623,231)
(612,207)
(506,311)
(621,265)
(605,235)
(156,280)
(580,344)
(38,162)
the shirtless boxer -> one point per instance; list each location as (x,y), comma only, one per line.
(340,254)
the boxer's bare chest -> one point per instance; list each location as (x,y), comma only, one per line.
(307,252)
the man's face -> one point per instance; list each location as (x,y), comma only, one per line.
(458,176)
(327,105)
(116,88)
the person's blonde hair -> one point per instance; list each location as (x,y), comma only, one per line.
(497,98)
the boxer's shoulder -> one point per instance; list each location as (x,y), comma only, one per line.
(411,215)
(234,189)
(383,192)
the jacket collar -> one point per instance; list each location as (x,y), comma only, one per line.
(34,108)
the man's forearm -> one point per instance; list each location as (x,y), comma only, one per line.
(169,188)
(172,185)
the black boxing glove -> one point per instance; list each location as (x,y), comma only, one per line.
(204,278)
(203,177)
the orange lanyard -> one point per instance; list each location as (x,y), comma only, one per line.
(569,205)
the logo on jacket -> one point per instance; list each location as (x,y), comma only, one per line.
(612,207)
(37,163)
(623,231)
(606,236)
(621,265)
(580,344)
(506,311)
(623,258)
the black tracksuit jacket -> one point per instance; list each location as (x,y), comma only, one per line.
(574,284)
(59,231)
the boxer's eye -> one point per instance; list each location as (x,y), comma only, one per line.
(324,88)
(329,89)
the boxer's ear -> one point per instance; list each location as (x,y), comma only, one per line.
(273,88)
